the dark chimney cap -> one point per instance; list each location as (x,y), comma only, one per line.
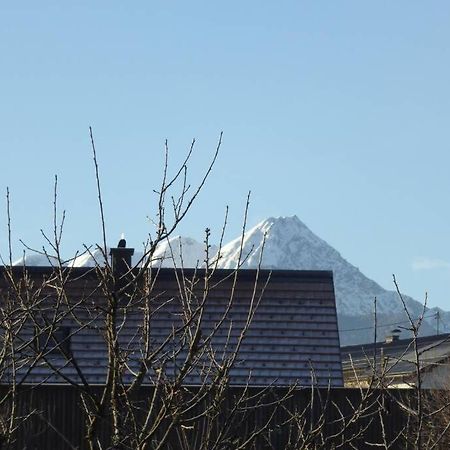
(394,336)
(121,257)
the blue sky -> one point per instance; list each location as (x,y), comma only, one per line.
(337,112)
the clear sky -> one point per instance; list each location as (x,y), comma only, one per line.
(337,112)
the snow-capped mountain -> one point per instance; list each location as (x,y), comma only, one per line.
(290,244)
(177,251)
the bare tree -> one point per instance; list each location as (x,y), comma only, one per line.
(154,386)
(162,346)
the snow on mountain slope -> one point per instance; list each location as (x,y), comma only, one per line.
(290,244)
(183,251)
(87,258)
(90,258)
(178,250)
(35,259)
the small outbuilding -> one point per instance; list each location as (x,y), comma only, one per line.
(396,361)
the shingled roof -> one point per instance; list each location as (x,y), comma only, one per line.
(396,359)
(293,337)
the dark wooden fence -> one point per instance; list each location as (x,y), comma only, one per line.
(56,420)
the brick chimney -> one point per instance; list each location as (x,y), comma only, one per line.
(121,262)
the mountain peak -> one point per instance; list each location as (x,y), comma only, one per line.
(288,244)
(285,233)
(281,221)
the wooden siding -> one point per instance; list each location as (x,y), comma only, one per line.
(59,422)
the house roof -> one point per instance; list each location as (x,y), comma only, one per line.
(398,357)
(292,338)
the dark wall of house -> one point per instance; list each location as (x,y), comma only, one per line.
(58,423)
